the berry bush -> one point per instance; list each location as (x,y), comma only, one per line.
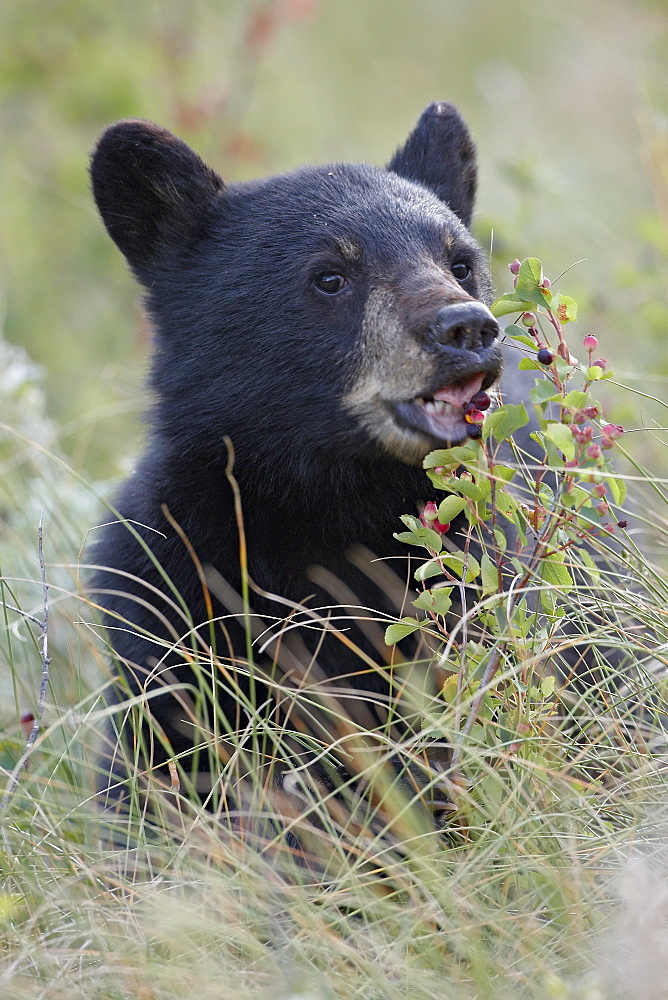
(518,607)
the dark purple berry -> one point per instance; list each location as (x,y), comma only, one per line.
(474,430)
(480,401)
(622,524)
(545,356)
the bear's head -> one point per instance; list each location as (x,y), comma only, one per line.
(341,308)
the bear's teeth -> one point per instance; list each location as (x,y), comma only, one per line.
(436,406)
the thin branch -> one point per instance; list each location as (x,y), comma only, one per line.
(20,611)
(43,624)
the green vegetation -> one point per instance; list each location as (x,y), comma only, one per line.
(549,881)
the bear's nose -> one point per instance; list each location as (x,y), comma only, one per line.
(469,326)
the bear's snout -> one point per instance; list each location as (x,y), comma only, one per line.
(468,326)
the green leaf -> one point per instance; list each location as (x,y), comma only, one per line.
(509,303)
(426,538)
(490,575)
(594,571)
(516,332)
(437,601)
(547,685)
(517,566)
(564,370)
(500,539)
(449,508)
(503,423)
(472,490)
(529,279)
(520,522)
(594,373)
(577,497)
(561,435)
(399,630)
(575,399)
(617,489)
(544,392)
(528,364)
(507,504)
(553,454)
(555,573)
(427,570)
(449,457)
(546,493)
(565,308)
(454,561)
(503,472)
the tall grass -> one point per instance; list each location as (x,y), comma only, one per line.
(546,880)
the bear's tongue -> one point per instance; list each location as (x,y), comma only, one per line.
(442,413)
(460,394)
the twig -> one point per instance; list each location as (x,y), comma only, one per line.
(43,624)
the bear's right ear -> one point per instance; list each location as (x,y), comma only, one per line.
(153,192)
(440,154)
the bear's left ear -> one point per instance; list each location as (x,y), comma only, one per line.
(440,154)
(153,192)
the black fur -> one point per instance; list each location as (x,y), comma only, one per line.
(249,348)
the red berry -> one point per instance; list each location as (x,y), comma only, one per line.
(593,451)
(613,430)
(545,356)
(474,430)
(591,411)
(528,318)
(546,283)
(600,363)
(474,417)
(590,342)
(480,401)
(430,511)
(441,528)
(514,268)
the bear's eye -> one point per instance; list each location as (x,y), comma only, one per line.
(330,282)
(460,271)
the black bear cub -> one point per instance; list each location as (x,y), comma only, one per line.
(316,335)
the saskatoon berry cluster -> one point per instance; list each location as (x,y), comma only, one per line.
(473,414)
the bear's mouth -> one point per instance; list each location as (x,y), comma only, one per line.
(441,414)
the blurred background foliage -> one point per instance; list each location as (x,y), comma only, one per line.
(567,101)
